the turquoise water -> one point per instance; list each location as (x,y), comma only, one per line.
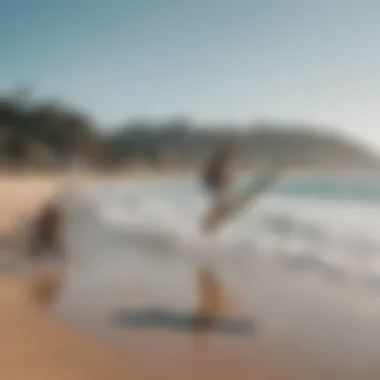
(334,189)
(348,189)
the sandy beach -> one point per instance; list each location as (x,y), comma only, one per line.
(35,344)
(80,343)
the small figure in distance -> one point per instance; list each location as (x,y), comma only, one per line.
(46,253)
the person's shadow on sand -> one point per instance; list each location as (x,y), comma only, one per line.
(156,318)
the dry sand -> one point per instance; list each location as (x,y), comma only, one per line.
(36,345)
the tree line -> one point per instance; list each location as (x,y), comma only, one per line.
(48,134)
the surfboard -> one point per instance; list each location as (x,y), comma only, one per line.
(238,202)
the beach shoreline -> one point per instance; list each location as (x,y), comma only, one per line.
(46,345)
(26,324)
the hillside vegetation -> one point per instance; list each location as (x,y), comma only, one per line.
(35,134)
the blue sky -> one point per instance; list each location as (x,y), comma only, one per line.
(286,60)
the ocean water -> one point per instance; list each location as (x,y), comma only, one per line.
(304,260)
(328,226)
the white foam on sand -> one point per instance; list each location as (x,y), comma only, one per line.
(317,235)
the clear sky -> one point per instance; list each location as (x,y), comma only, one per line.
(307,60)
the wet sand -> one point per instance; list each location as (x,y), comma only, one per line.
(308,336)
(37,345)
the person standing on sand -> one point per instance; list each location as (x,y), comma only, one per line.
(47,233)
(47,252)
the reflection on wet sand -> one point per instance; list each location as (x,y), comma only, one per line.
(46,284)
(213,301)
(213,298)
(214,314)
